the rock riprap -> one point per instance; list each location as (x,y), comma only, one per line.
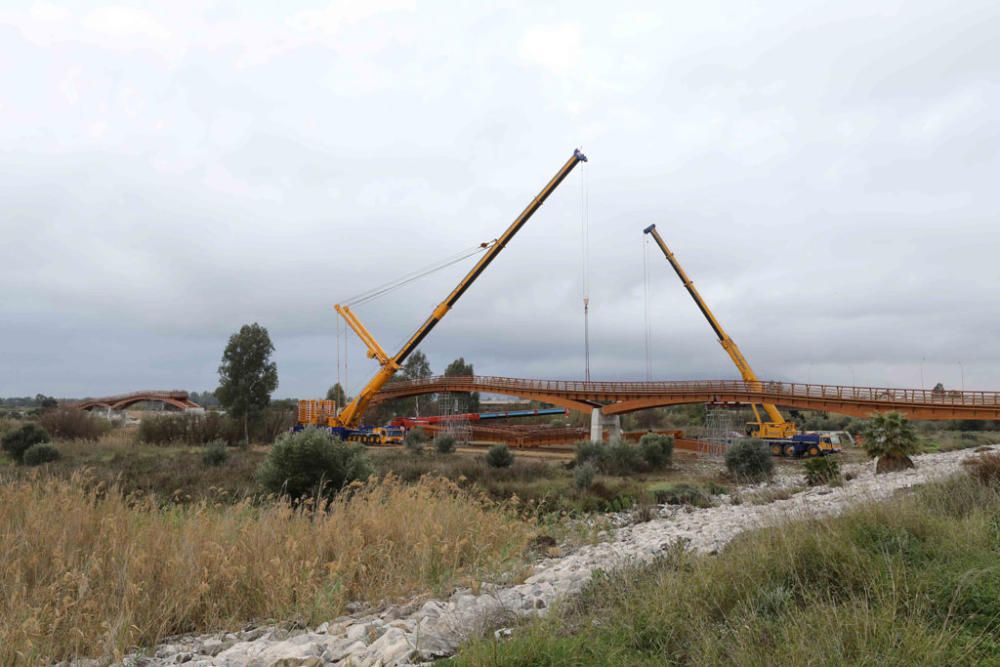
(427,629)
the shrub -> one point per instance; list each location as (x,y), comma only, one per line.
(444,443)
(583,475)
(41,453)
(616,458)
(749,460)
(17,442)
(312,462)
(984,468)
(72,424)
(415,439)
(622,458)
(587,450)
(200,429)
(215,453)
(683,494)
(889,434)
(499,456)
(657,450)
(822,470)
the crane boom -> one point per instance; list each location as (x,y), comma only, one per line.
(351,415)
(777,427)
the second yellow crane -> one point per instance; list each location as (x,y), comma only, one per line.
(775,426)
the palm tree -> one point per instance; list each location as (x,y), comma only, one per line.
(890,439)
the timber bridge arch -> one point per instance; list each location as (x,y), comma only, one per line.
(177,399)
(617,398)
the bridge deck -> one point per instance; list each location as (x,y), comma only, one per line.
(622,397)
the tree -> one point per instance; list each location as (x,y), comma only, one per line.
(416,367)
(247,375)
(337,394)
(46,402)
(890,439)
(459,368)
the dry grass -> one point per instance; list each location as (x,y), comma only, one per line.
(88,572)
(985,468)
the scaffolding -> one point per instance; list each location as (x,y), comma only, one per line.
(722,425)
(459,429)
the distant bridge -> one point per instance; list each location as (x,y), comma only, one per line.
(176,399)
(615,398)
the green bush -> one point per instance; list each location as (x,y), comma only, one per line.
(583,475)
(623,458)
(588,450)
(822,470)
(311,462)
(657,450)
(41,453)
(215,453)
(444,443)
(17,442)
(749,460)
(617,458)
(499,456)
(415,439)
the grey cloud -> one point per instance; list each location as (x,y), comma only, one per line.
(825,172)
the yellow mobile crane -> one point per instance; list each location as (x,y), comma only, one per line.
(346,423)
(776,427)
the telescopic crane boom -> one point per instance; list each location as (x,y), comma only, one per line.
(776,427)
(350,416)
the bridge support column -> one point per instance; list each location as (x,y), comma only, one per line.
(599,421)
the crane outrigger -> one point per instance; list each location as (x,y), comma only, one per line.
(346,423)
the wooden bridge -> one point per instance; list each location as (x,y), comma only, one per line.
(174,398)
(614,398)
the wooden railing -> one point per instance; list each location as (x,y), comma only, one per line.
(771,391)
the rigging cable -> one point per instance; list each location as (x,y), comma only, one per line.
(385,288)
(645,299)
(585,243)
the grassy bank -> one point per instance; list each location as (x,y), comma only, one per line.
(89,571)
(915,580)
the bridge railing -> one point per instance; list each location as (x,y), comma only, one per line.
(771,391)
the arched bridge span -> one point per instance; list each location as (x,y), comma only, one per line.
(622,397)
(175,399)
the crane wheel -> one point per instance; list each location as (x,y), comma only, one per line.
(814,451)
(789,450)
(775,450)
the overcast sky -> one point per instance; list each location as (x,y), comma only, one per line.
(826,172)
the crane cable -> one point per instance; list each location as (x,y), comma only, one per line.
(585,244)
(645,299)
(385,288)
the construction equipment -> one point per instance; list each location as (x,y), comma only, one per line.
(775,427)
(346,424)
(411,422)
